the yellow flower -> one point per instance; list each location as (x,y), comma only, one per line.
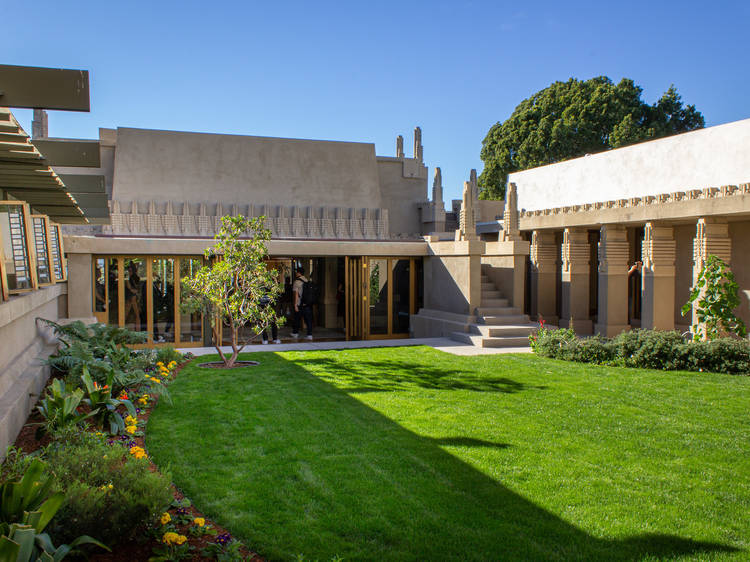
(170,537)
(172,364)
(130,420)
(165,518)
(199,521)
(159,364)
(138,452)
(154,379)
(180,539)
(131,429)
(106,487)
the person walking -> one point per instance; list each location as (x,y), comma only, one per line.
(302,304)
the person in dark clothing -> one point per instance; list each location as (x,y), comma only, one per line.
(301,311)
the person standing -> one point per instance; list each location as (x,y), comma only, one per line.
(302,306)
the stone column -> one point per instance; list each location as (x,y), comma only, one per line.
(575,281)
(613,281)
(658,277)
(543,257)
(711,238)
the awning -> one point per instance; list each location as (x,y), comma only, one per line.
(26,175)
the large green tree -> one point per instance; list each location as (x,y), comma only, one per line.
(574,118)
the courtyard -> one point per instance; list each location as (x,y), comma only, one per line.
(414,454)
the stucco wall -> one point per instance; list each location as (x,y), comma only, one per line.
(232,169)
(401,196)
(447,283)
(710,157)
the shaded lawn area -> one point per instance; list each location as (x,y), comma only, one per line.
(414,454)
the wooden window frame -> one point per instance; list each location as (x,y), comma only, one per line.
(29,241)
(48,242)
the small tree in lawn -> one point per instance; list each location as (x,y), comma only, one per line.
(715,298)
(236,290)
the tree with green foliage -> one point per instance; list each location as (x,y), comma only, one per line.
(714,298)
(236,289)
(574,118)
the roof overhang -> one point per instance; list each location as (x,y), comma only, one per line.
(25,174)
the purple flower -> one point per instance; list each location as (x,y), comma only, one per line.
(223,539)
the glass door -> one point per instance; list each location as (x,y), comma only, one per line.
(355,298)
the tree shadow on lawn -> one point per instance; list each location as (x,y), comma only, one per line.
(394,374)
(336,477)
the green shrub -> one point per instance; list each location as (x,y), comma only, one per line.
(109,493)
(647,349)
(168,354)
(595,349)
(553,343)
(725,355)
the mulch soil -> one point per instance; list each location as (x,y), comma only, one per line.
(137,550)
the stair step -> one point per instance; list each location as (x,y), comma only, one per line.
(491,295)
(488,286)
(504,320)
(520,341)
(495,303)
(481,341)
(497,311)
(509,330)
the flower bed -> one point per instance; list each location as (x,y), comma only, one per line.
(91,439)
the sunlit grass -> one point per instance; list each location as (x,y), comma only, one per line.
(413,454)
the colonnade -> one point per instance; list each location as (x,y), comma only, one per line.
(561,268)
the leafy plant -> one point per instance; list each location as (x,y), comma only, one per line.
(26,508)
(232,291)
(59,408)
(108,492)
(714,298)
(99,399)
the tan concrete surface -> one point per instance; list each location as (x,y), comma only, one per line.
(442,344)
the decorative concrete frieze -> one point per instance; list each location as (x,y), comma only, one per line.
(153,218)
(510,215)
(659,252)
(710,192)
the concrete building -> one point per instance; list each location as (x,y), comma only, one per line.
(105,229)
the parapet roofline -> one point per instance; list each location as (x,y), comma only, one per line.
(207,134)
(605,153)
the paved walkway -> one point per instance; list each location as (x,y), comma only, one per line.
(443,344)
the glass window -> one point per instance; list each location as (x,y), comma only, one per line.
(41,248)
(162,276)
(15,247)
(100,286)
(56,250)
(113,291)
(378,295)
(135,294)
(401,295)
(191,324)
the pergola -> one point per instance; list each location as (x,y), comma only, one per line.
(26,165)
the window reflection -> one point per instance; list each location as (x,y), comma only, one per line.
(378,295)
(41,248)
(15,248)
(401,295)
(162,276)
(135,293)
(191,324)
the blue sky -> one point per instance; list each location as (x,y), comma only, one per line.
(368,71)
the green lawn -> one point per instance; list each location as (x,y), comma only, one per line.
(413,454)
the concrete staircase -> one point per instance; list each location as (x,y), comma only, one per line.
(498,325)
